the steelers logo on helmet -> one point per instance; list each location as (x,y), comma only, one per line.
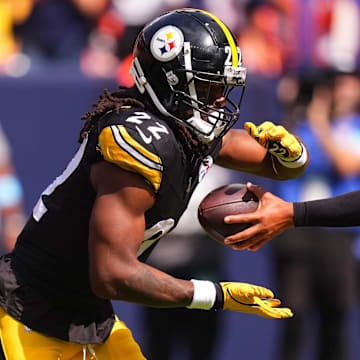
(167,43)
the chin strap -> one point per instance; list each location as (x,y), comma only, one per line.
(202,126)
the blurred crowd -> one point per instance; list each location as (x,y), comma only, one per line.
(276,36)
(309,48)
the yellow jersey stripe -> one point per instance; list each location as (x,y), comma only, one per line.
(229,37)
(126,154)
(133,143)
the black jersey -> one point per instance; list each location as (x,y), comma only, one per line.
(44,282)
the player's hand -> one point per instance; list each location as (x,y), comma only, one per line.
(273,216)
(276,139)
(252,299)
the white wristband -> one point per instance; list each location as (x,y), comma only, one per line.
(298,162)
(204,295)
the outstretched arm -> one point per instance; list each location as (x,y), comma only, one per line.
(274,216)
(117,228)
(339,211)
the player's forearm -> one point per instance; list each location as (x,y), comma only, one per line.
(339,211)
(145,285)
(269,168)
(243,153)
(148,286)
(282,172)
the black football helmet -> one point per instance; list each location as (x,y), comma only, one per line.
(189,62)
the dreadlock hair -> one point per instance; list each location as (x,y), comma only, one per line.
(113,101)
(109,101)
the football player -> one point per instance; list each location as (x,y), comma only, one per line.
(143,151)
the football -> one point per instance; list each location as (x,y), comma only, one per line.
(226,200)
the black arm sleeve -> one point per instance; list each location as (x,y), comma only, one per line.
(339,211)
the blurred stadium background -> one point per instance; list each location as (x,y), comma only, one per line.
(57,56)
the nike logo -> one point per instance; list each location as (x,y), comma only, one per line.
(146,139)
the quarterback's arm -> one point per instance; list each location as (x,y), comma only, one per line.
(241,152)
(275,215)
(339,211)
(117,228)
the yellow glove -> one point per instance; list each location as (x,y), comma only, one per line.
(276,139)
(251,299)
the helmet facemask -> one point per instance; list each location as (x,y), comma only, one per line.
(193,98)
(205,103)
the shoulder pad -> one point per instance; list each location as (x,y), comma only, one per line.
(130,141)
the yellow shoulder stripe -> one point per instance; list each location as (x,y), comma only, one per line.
(125,135)
(229,37)
(119,148)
